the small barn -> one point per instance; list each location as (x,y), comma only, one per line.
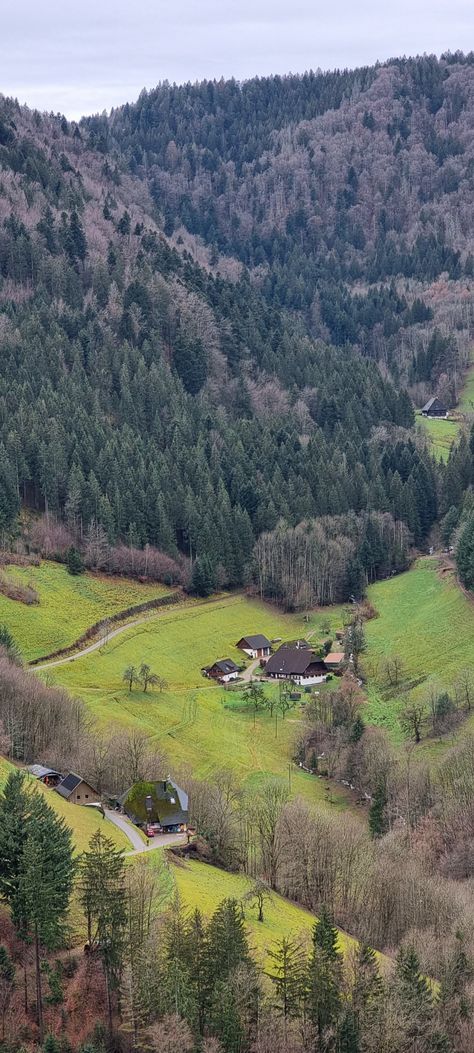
(223,670)
(163,805)
(434,408)
(48,776)
(298,663)
(334,660)
(76,790)
(255,646)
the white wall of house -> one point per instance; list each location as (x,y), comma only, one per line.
(303,680)
(229,676)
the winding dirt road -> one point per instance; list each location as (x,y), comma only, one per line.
(94,646)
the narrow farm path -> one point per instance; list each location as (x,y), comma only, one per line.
(105,639)
(94,646)
(140,846)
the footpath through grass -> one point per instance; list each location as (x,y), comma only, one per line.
(68,605)
(425,618)
(190,719)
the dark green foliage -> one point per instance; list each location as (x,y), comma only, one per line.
(8,644)
(74,561)
(324,979)
(103,897)
(378,822)
(288,977)
(203,580)
(36,871)
(465,553)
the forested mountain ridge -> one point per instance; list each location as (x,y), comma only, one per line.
(329,187)
(146,397)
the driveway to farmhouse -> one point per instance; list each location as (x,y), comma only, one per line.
(248,673)
(139,846)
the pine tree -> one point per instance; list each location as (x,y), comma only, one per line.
(7,984)
(288,976)
(103,897)
(378,821)
(203,580)
(325,978)
(465,554)
(74,561)
(36,870)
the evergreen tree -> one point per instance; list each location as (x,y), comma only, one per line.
(74,561)
(203,580)
(103,898)
(288,977)
(325,980)
(7,985)
(465,554)
(378,821)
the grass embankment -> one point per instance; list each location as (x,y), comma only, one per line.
(190,719)
(442,434)
(426,619)
(68,605)
(203,887)
(82,821)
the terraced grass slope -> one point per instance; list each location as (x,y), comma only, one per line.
(82,821)
(426,619)
(68,605)
(190,719)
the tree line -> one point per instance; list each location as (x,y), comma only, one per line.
(177,981)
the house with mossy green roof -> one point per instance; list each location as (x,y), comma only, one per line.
(161,804)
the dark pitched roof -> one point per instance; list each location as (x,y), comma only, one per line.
(40,772)
(290,661)
(432,402)
(225,665)
(255,641)
(69,784)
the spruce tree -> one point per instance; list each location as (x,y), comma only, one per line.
(325,978)
(103,897)
(74,561)
(288,976)
(7,984)
(378,821)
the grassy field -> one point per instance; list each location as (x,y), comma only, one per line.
(82,821)
(68,605)
(200,885)
(426,619)
(442,434)
(190,719)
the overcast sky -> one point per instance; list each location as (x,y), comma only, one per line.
(83,56)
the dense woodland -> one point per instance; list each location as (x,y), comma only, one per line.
(217,305)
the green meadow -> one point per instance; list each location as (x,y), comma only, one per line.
(204,887)
(67,605)
(442,434)
(425,618)
(198,724)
